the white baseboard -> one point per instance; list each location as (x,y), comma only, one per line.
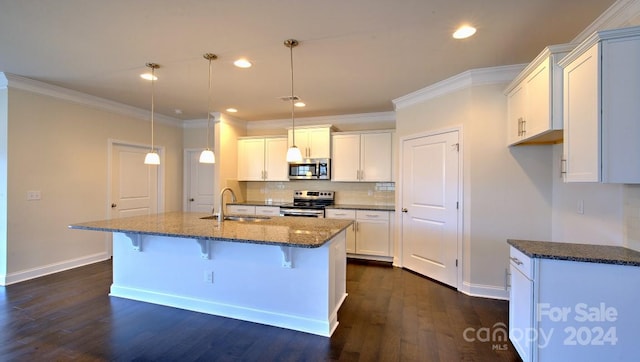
(484,291)
(32,273)
(308,325)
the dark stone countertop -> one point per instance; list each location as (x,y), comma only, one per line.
(589,253)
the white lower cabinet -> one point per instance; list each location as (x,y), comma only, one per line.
(562,310)
(253,210)
(369,236)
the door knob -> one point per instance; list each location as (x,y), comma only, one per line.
(404,209)
(114,205)
(192,199)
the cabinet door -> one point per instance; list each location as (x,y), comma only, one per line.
(319,143)
(521,313)
(516,112)
(345,161)
(375,157)
(267,210)
(351,230)
(275,159)
(372,233)
(251,159)
(240,210)
(301,140)
(581,144)
(538,107)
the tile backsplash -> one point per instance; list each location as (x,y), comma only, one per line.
(367,193)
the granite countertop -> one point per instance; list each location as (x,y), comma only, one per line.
(577,252)
(334,206)
(279,230)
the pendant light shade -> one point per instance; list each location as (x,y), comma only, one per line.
(152,158)
(207,155)
(293,153)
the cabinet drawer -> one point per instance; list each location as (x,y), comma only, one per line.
(340,214)
(241,210)
(268,210)
(372,215)
(521,262)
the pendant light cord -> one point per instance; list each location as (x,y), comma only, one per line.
(209,103)
(293,119)
(153,68)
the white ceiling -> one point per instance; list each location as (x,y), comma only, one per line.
(354,56)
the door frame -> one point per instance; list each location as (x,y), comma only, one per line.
(186,174)
(161,152)
(398,260)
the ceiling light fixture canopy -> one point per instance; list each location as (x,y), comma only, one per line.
(152,157)
(293,153)
(207,155)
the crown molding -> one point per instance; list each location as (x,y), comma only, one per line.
(38,87)
(464,80)
(217,117)
(356,118)
(618,15)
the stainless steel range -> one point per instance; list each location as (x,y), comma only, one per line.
(308,204)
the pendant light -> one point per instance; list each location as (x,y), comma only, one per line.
(293,153)
(152,158)
(207,155)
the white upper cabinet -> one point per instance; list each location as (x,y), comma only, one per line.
(313,142)
(262,159)
(534,100)
(602,108)
(363,157)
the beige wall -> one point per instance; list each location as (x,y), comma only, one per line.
(506,191)
(3,180)
(60,148)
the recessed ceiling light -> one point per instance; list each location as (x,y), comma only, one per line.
(232,110)
(242,63)
(300,104)
(148,76)
(464,32)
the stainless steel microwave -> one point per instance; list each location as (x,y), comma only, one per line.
(310,169)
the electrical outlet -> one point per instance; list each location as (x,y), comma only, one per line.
(208,276)
(33,195)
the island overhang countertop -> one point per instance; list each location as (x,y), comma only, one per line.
(279,230)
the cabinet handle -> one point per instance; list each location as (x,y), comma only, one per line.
(516,260)
(192,199)
(374,216)
(519,126)
(404,209)
(524,127)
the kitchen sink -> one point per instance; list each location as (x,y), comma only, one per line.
(238,218)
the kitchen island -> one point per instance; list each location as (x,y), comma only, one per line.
(282,271)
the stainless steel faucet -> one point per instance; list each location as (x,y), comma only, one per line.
(233,199)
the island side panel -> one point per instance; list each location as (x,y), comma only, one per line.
(239,280)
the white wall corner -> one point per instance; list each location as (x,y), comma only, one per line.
(469,78)
(38,87)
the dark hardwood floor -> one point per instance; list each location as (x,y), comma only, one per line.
(390,314)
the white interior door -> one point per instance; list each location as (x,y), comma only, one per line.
(134,185)
(199,183)
(430,184)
